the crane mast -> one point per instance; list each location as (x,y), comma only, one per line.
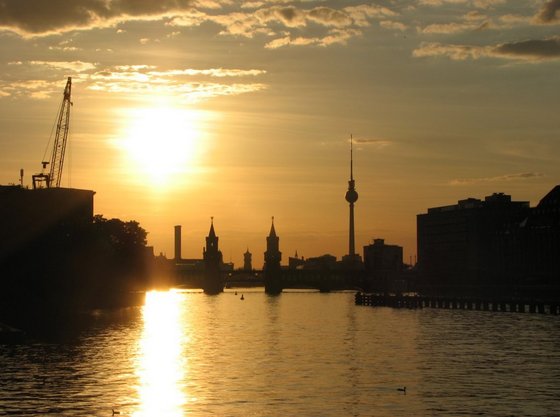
(53,177)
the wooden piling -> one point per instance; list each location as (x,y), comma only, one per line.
(415,302)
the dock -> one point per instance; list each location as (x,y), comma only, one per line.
(509,305)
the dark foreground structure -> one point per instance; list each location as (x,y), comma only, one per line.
(491,248)
(26,215)
(57,258)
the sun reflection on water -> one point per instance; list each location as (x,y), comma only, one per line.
(161,368)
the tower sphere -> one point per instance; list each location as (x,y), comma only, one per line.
(351,196)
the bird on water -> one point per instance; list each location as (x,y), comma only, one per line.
(403,389)
(115,411)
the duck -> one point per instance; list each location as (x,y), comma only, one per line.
(115,411)
(403,389)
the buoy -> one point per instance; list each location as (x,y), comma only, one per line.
(242,297)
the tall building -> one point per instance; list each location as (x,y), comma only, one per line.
(383,265)
(247,261)
(542,247)
(177,243)
(272,258)
(473,246)
(213,282)
(352,259)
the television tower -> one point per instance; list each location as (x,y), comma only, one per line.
(351,197)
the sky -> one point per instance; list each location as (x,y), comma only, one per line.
(243,110)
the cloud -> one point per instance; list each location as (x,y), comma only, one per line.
(471,21)
(549,12)
(39,17)
(361,13)
(35,89)
(212,72)
(529,50)
(507,177)
(329,17)
(252,4)
(378,143)
(447,28)
(440,2)
(289,16)
(187,84)
(487,4)
(513,19)
(74,66)
(144,79)
(389,24)
(207,4)
(454,52)
(342,24)
(34,18)
(189,92)
(336,36)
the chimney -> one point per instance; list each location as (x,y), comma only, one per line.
(177,243)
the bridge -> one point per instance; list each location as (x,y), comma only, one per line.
(322,280)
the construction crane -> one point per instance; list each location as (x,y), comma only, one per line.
(53,177)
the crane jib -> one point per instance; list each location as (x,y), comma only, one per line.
(56,162)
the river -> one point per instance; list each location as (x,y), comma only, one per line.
(297,354)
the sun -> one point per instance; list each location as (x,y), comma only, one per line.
(161,144)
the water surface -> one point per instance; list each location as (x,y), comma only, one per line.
(301,353)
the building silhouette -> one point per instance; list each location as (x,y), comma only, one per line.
(492,247)
(383,266)
(28,215)
(178,256)
(184,269)
(541,233)
(247,261)
(296,262)
(352,260)
(272,258)
(323,263)
(213,281)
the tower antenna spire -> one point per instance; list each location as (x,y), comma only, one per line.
(351,158)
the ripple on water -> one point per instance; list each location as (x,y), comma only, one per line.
(296,354)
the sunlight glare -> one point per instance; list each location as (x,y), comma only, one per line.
(161,368)
(161,144)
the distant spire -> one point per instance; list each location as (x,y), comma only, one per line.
(272,231)
(212,232)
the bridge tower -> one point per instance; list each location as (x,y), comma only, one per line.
(272,258)
(213,282)
(247,261)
